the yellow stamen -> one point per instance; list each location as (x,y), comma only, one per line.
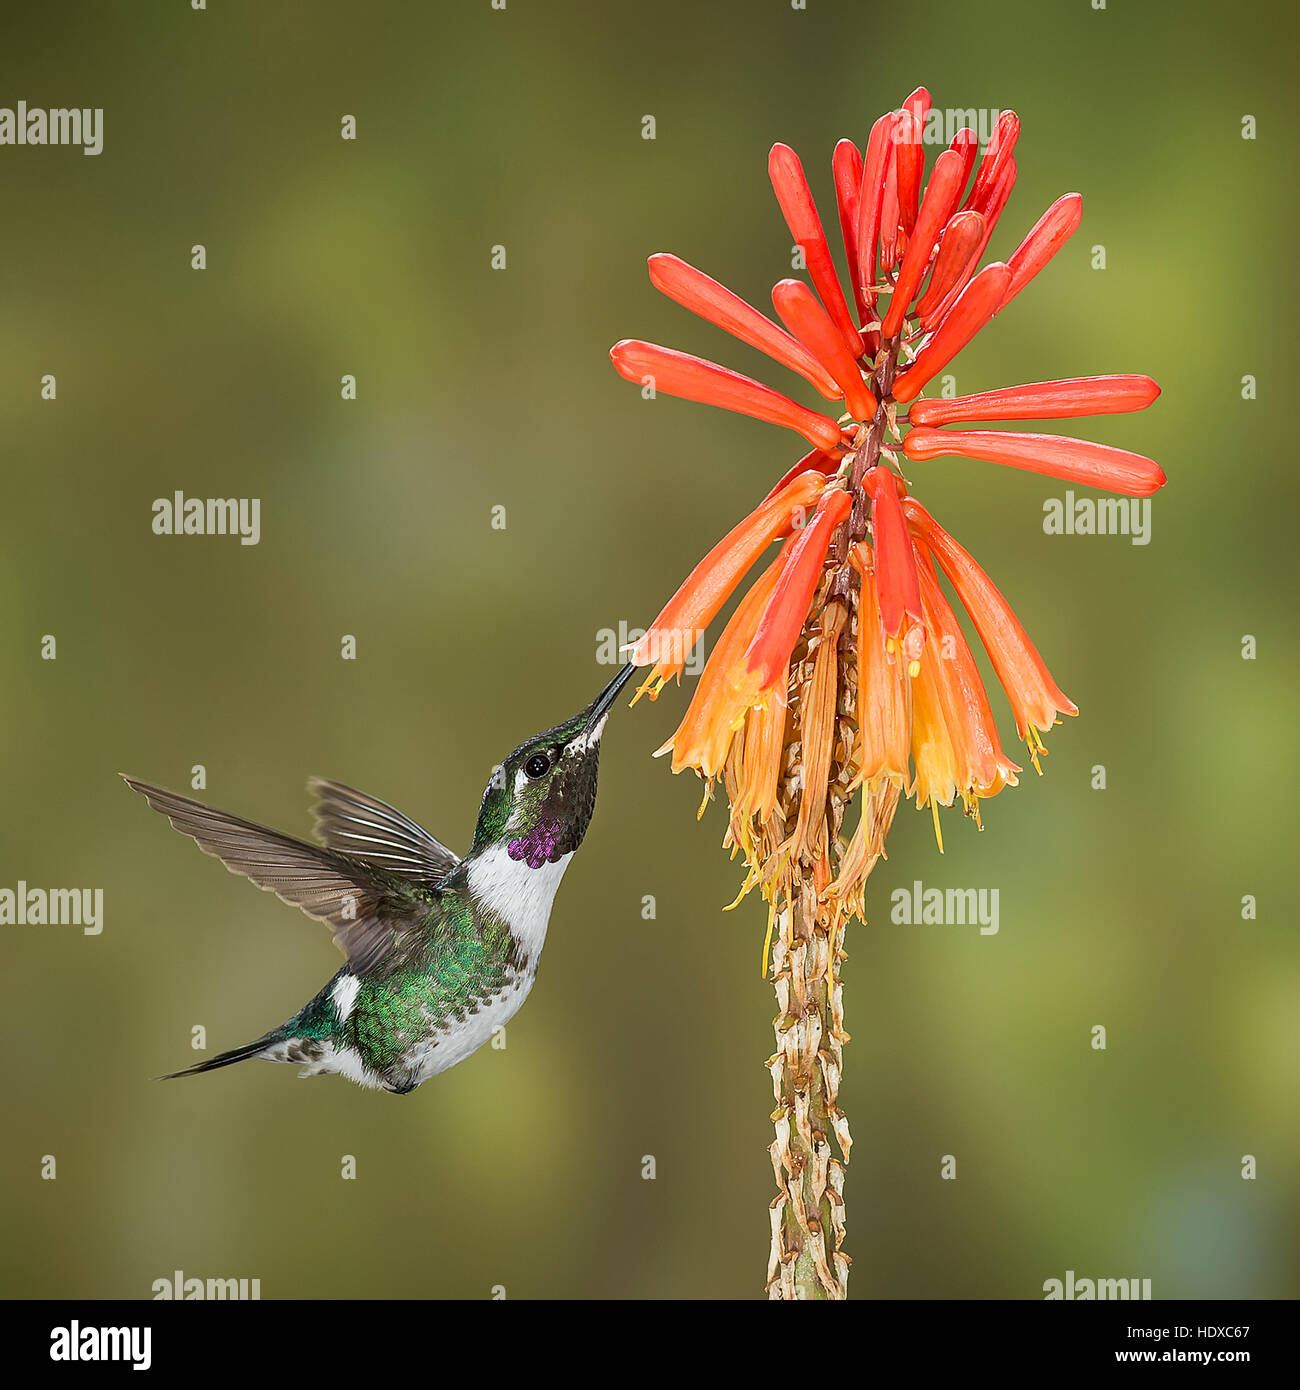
(708,794)
(767,940)
(938,834)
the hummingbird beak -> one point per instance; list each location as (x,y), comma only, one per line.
(602,703)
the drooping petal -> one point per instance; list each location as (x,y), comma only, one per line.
(1075,460)
(1035,697)
(900,596)
(695,379)
(810,323)
(974,308)
(953,266)
(764,744)
(717,709)
(768,655)
(702,295)
(1042,400)
(1052,230)
(883,700)
(980,767)
(673,634)
(817,726)
(940,199)
(796,200)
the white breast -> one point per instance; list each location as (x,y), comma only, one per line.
(520,896)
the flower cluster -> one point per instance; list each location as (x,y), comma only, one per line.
(844,666)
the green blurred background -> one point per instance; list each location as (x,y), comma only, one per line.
(522,1168)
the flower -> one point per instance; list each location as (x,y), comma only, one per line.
(844,672)
(861,578)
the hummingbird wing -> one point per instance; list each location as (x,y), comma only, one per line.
(378,917)
(371,830)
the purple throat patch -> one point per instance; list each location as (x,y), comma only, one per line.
(537,847)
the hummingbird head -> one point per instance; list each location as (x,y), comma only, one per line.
(541,798)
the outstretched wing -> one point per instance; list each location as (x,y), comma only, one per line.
(377,917)
(371,830)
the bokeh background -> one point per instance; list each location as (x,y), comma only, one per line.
(523,1168)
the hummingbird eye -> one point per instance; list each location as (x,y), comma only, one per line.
(537,766)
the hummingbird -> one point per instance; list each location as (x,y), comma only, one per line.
(441,951)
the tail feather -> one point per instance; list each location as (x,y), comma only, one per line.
(226,1059)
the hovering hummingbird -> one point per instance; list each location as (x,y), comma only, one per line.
(440,950)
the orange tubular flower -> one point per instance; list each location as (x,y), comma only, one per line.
(975,306)
(1042,400)
(695,291)
(669,639)
(940,200)
(805,225)
(1075,460)
(694,379)
(768,655)
(953,266)
(898,587)
(1035,697)
(884,725)
(717,710)
(844,673)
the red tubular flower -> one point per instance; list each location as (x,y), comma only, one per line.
(873,182)
(1001,147)
(1035,698)
(900,596)
(1075,460)
(694,379)
(846,167)
(953,266)
(1052,230)
(810,323)
(940,200)
(1042,400)
(696,291)
(889,206)
(967,144)
(669,639)
(805,225)
(768,655)
(911,159)
(975,306)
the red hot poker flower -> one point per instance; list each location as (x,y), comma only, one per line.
(807,701)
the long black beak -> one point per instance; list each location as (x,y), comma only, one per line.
(600,708)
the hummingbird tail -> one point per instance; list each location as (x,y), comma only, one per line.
(226,1059)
